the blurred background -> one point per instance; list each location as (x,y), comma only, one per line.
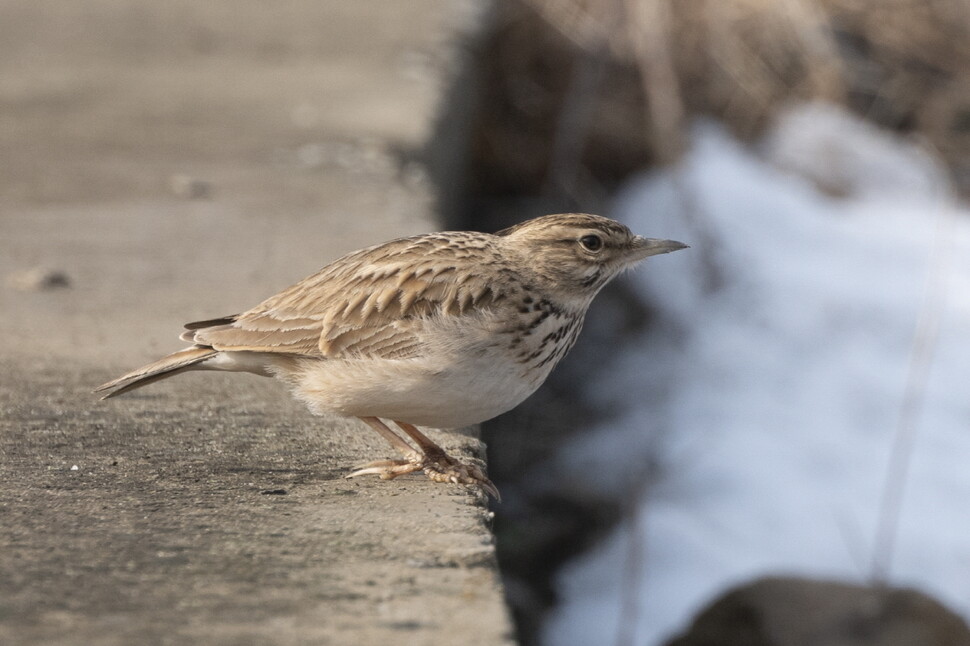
(760,440)
(784,399)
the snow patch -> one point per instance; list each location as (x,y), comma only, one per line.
(771,399)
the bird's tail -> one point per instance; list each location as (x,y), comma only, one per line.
(169,366)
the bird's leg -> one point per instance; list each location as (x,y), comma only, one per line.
(388,469)
(431,458)
(441,467)
(393,438)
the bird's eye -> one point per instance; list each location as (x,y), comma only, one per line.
(591,242)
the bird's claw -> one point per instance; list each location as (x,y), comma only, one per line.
(451,470)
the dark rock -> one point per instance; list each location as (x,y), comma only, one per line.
(805,612)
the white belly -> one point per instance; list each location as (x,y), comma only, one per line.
(418,391)
(465,374)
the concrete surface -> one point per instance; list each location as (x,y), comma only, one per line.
(179,161)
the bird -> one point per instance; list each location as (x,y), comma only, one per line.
(441,330)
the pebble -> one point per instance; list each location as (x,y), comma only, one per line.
(38,279)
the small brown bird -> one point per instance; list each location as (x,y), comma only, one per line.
(442,330)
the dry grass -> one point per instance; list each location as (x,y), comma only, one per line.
(636,71)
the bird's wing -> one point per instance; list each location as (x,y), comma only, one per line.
(369,303)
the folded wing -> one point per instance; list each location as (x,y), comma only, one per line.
(368,304)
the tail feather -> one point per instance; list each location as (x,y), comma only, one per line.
(165,367)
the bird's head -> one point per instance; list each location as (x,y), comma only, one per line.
(579,252)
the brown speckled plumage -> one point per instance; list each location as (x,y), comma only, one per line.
(443,329)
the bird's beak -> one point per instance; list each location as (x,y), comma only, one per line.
(645,247)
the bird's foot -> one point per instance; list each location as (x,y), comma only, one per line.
(386,469)
(439,467)
(444,468)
